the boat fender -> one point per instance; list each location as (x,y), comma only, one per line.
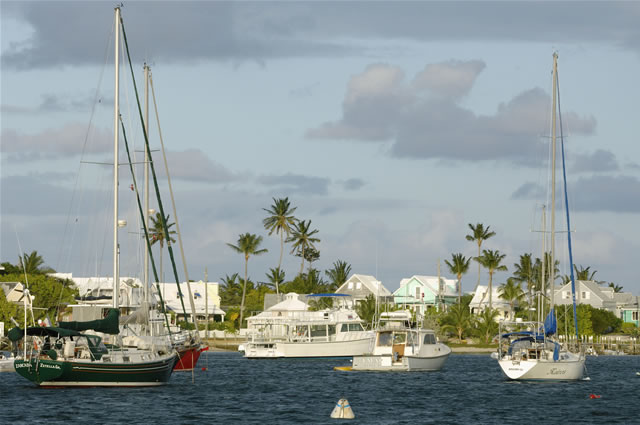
(343,410)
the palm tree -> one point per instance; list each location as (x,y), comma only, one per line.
(491,260)
(157,234)
(584,273)
(311,255)
(524,273)
(281,221)
(479,234)
(459,265)
(302,239)
(32,264)
(366,309)
(511,292)
(338,274)
(231,291)
(458,319)
(486,325)
(248,245)
(276,277)
(616,288)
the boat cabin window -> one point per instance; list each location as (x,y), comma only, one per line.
(429,339)
(351,327)
(385,339)
(399,338)
(301,330)
(318,330)
(332,329)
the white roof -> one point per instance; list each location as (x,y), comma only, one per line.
(374,285)
(496,301)
(291,303)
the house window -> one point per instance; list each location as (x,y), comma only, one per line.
(358,285)
(350,285)
(634,315)
(565,295)
(584,295)
(417,293)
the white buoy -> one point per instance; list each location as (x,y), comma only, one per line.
(343,410)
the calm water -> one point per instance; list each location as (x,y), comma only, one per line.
(470,389)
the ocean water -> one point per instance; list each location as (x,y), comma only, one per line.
(469,390)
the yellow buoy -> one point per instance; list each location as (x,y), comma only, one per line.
(343,410)
(343,368)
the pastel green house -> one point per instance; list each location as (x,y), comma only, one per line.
(420,293)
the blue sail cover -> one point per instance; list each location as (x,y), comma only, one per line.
(550,324)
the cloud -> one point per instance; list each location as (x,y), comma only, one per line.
(56,143)
(295,183)
(598,161)
(195,165)
(424,119)
(618,194)
(452,79)
(55,103)
(353,184)
(191,31)
(528,191)
(607,193)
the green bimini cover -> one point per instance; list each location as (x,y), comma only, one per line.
(17,334)
(108,325)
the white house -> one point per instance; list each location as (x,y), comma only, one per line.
(199,290)
(480,301)
(359,286)
(13,292)
(596,295)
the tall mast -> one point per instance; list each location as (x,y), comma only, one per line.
(146,183)
(552,270)
(116,114)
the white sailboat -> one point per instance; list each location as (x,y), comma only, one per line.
(528,350)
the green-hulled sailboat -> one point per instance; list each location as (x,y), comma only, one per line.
(74,354)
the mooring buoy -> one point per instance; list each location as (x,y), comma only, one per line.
(343,410)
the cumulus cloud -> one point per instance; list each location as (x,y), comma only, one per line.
(425,120)
(528,191)
(452,79)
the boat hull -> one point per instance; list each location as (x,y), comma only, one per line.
(6,365)
(56,373)
(405,364)
(332,349)
(188,359)
(543,370)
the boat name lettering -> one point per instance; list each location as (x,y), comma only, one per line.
(50,366)
(22,365)
(556,371)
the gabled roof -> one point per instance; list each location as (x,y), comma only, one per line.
(496,301)
(371,283)
(291,303)
(430,282)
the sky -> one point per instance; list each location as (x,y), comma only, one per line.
(390,125)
